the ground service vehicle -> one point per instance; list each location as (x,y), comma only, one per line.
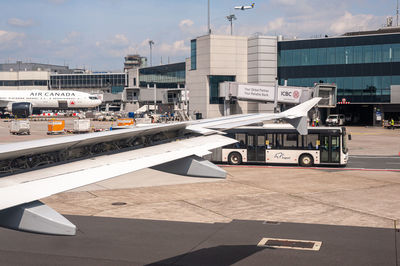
(281,144)
(335,120)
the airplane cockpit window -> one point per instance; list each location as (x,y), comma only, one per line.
(93,98)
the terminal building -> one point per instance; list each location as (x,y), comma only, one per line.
(365,66)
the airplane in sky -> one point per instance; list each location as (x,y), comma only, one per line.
(36,169)
(245,7)
(23,103)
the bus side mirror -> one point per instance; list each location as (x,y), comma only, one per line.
(349,137)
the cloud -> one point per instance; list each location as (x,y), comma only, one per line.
(275,25)
(306,18)
(186,23)
(117,46)
(117,41)
(71,38)
(20,23)
(176,48)
(350,22)
(285,2)
(10,39)
(57,2)
(189,29)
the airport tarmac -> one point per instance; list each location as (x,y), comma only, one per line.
(343,201)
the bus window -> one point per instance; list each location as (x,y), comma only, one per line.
(335,149)
(234,145)
(270,141)
(241,138)
(230,135)
(279,142)
(311,141)
(260,140)
(250,141)
(300,142)
(290,140)
(324,149)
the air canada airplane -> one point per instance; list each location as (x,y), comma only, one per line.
(245,7)
(36,169)
(22,103)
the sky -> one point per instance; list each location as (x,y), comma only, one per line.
(97,34)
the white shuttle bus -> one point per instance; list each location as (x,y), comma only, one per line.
(282,144)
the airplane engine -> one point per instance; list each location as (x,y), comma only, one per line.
(22,109)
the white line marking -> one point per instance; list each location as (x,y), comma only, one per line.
(376,157)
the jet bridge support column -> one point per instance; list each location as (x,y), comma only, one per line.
(192,166)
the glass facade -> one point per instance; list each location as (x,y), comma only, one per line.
(214,88)
(362,67)
(193,54)
(363,54)
(98,80)
(165,76)
(23,82)
(354,89)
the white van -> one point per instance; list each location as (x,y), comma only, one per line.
(335,120)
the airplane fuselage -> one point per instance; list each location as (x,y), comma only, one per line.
(50,99)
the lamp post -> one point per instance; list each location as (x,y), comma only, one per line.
(230,19)
(209,26)
(151,43)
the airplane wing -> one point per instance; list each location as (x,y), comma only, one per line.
(80,160)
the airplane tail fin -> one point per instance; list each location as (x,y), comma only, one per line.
(252,5)
(297,116)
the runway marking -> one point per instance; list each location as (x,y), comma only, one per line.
(375,157)
(360,133)
(314,168)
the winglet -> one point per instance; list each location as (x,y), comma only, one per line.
(297,116)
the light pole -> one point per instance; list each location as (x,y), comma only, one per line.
(209,26)
(151,43)
(230,19)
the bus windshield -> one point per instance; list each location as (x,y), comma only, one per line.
(344,141)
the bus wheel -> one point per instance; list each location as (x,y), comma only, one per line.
(235,158)
(306,160)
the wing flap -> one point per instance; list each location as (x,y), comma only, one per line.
(42,183)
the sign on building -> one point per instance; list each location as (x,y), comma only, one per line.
(289,95)
(264,93)
(257,93)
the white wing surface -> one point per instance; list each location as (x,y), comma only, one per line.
(19,192)
(42,183)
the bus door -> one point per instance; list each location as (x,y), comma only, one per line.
(330,149)
(256,148)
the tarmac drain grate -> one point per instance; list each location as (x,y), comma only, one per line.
(118,203)
(290,244)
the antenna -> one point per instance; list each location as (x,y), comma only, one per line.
(209,26)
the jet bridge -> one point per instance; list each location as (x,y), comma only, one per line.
(291,95)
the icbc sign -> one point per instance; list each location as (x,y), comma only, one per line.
(289,95)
